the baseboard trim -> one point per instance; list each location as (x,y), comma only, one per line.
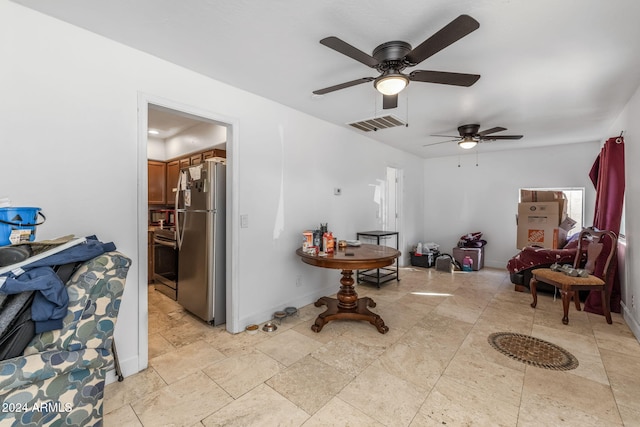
(631,321)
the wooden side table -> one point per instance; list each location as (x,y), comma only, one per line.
(348,305)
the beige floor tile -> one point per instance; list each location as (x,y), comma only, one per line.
(260,407)
(232,344)
(622,371)
(330,331)
(453,403)
(185,361)
(434,367)
(183,403)
(131,389)
(477,372)
(309,383)
(550,315)
(338,413)
(630,415)
(383,396)
(540,410)
(423,353)
(159,345)
(461,308)
(628,345)
(188,330)
(242,372)
(583,347)
(349,356)
(123,416)
(570,393)
(288,347)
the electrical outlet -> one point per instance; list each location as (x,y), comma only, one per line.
(298,281)
(633,301)
(244,221)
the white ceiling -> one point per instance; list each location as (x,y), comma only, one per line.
(557,71)
(169,123)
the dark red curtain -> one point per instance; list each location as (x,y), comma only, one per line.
(607,175)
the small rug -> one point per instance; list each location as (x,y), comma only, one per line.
(533,351)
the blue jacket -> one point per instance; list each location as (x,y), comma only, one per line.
(51,299)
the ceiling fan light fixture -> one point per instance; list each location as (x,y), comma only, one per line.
(391,83)
(467,143)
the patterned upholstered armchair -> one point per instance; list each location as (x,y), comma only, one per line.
(61,374)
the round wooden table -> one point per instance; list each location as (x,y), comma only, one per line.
(348,305)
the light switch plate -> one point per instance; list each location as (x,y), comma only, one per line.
(244,221)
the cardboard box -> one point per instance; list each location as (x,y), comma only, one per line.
(538,225)
(535,196)
(545,237)
(552,211)
(476,255)
(540,196)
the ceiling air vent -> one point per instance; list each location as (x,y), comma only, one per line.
(378,123)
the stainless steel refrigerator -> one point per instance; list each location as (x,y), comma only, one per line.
(200,230)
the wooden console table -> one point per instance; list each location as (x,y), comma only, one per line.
(348,305)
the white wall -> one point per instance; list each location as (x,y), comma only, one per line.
(630,282)
(70,140)
(156,149)
(470,198)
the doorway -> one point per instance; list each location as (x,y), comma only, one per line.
(392,212)
(182,113)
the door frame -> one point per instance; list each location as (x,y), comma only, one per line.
(398,205)
(232,214)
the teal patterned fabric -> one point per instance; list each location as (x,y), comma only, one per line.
(59,380)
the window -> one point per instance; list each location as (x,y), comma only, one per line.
(575,204)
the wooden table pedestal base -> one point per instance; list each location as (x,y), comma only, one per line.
(348,306)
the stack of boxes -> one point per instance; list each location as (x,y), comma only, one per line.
(542,219)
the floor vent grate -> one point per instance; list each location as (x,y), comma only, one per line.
(378,123)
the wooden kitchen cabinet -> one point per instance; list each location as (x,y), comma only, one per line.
(196,159)
(163,176)
(173,171)
(214,153)
(157,186)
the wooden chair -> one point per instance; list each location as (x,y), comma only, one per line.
(600,249)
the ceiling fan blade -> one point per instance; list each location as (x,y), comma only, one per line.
(441,142)
(449,34)
(350,51)
(502,137)
(446,136)
(492,130)
(343,85)
(443,77)
(389,101)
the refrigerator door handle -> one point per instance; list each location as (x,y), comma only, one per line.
(179,235)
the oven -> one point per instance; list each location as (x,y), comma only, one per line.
(165,262)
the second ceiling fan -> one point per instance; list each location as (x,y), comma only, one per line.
(470,136)
(391,58)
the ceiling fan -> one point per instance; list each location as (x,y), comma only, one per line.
(391,58)
(470,135)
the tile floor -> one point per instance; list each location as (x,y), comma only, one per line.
(434,367)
